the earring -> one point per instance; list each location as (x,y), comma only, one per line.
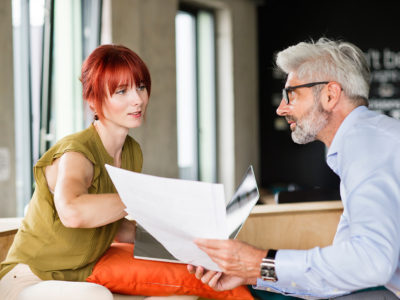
(96,117)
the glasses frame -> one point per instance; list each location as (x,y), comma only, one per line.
(286,90)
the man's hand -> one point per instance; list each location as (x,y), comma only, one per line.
(235,258)
(217,280)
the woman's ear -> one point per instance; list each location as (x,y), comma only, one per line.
(91,104)
(93,109)
(332,96)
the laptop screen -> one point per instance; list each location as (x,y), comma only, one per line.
(242,202)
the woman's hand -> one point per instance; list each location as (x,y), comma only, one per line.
(126,232)
(217,280)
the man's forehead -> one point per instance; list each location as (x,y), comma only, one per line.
(292,79)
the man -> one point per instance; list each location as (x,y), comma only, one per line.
(325,99)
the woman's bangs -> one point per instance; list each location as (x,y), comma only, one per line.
(123,75)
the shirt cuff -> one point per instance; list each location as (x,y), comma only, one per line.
(290,266)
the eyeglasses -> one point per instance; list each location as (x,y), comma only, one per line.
(287,90)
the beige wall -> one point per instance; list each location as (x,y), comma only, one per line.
(7,148)
(148,27)
(245,86)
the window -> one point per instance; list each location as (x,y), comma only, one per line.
(28,24)
(76,32)
(50,40)
(196,95)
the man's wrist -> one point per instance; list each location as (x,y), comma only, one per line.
(251,281)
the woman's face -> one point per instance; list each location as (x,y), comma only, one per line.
(127,106)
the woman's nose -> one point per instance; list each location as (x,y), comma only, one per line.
(136,98)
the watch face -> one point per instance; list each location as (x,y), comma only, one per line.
(267,271)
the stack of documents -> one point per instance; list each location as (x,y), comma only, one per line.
(171,213)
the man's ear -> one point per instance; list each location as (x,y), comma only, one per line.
(332,96)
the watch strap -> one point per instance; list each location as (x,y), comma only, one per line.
(271,254)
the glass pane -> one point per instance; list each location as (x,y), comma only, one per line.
(186,95)
(20,9)
(37,13)
(206,86)
(66,98)
(91,23)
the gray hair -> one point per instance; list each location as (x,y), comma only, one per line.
(327,60)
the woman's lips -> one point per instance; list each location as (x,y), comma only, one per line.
(136,114)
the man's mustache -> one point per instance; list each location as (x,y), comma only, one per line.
(290,119)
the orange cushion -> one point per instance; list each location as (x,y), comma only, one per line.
(121,273)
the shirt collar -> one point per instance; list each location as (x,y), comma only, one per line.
(346,125)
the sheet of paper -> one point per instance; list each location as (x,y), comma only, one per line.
(174,211)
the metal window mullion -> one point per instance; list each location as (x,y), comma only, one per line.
(45,103)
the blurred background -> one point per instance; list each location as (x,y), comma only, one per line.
(214,86)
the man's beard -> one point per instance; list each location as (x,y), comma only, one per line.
(309,125)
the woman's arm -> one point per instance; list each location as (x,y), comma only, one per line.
(76,208)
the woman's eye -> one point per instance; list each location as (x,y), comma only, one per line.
(121,91)
(141,88)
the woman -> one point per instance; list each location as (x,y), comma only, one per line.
(75,213)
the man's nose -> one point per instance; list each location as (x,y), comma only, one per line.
(283,108)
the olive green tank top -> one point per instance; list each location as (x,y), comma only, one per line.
(52,250)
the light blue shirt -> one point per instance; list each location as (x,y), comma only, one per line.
(365,154)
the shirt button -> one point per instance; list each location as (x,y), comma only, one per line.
(268,289)
(293,284)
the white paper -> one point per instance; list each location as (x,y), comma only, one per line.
(174,211)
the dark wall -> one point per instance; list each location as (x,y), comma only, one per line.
(374,26)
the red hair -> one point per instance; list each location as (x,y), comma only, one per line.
(107,68)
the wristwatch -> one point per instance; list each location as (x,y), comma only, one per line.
(267,267)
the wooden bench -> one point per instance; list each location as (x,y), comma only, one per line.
(8,229)
(292,226)
(283,226)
